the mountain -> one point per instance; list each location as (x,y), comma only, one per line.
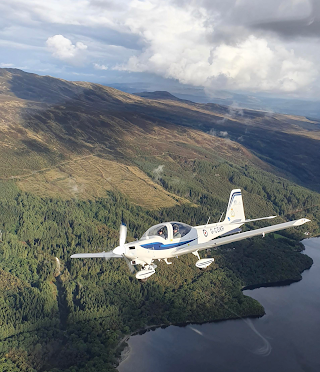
(253,101)
(46,121)
(160,95)
(80,139)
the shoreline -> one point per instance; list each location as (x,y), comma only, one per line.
(281,283)
(125,353)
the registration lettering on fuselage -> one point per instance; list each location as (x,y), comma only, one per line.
(216,230)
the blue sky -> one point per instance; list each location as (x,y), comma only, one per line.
(241,45)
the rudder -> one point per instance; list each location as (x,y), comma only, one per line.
(235,210)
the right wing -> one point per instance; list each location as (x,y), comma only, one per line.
(94,255)
(236,237)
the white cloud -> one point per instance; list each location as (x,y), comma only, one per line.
(63,49)
(181,45)
(158,171)
(223,133)
(204,43)
(100,67)
(6,65)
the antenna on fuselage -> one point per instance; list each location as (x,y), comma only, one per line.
(221,217)
(208,221)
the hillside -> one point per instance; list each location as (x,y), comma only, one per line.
(92,140)
(78,158)
(48,120)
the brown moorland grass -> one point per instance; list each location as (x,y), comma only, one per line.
(90,177)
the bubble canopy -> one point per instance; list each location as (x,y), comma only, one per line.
(165,230)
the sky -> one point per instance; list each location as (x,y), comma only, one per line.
(269,47)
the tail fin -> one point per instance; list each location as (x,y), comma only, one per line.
(235,211)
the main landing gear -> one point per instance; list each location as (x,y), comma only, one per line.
(203,263)
(146,272)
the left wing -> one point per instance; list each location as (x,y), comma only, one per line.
(236,237)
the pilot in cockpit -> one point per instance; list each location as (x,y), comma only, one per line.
(176,233)
(162,232)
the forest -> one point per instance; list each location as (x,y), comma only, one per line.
(58,314)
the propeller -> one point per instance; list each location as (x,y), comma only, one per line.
(123,234)
(131,267)
(118,252)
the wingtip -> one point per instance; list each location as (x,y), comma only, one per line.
(301,221)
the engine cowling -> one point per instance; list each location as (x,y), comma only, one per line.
(204,263)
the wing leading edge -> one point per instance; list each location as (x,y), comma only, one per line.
(95,255)
(245,235)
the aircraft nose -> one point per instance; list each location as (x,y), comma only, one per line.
(120,250)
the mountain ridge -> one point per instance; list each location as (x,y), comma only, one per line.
(40,137)
(49,120)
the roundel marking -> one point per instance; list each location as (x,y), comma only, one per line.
(205,233)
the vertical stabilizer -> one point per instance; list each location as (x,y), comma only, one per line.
(235,211)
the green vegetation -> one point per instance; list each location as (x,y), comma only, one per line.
(208,183)
(72,317)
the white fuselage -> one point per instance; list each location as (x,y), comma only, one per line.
(157,248)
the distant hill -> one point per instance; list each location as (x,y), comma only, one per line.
(160,95)
(253,101)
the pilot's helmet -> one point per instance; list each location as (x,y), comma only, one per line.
(175,227)
(160,231)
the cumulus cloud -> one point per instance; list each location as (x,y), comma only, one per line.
(244,45)
(223,133)
(254,64)
(186,43)
(100,67)
(63,49)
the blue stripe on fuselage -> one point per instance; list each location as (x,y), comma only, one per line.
(159,246)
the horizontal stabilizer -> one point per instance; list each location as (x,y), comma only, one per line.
(245,235)
(96,255)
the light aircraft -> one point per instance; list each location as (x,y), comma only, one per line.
(173,239)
